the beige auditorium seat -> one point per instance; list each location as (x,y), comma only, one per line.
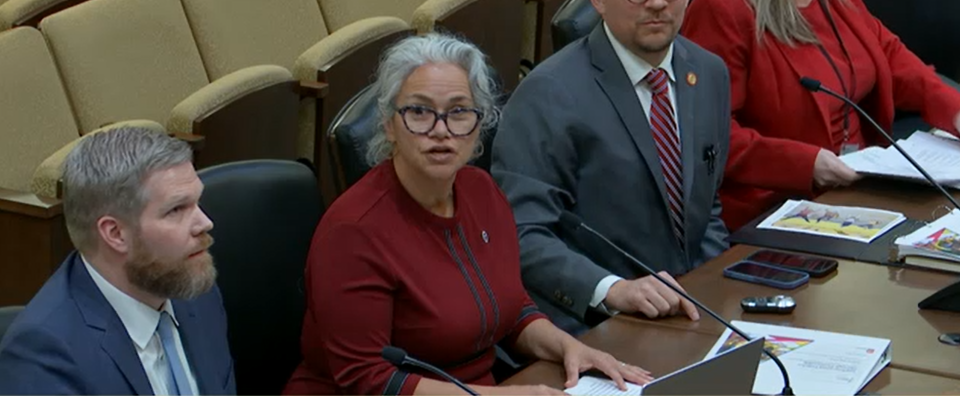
(496,26)
(234,34)
(46,177)
(537,43)
(35,122)
(339,13)
(35,116)
(37,130)
(137,59)
(15,13)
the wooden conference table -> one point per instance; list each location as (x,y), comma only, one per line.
(860,298)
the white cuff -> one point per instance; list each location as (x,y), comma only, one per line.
(603,287)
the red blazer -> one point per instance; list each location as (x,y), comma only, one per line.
(778,126)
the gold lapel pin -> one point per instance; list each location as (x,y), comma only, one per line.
(691,79)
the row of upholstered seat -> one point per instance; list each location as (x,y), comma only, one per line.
(534,35)
(252,78)
(240,78)
(331,44)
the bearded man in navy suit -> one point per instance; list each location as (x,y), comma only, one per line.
(135,310)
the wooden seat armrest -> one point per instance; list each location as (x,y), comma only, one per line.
(29,204)
(314,89)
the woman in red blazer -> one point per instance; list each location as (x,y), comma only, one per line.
(422,252)
(785,140)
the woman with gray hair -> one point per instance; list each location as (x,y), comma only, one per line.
(785,140)
(422,252)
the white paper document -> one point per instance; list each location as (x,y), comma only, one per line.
(940,157)
(593,386)
(818,362)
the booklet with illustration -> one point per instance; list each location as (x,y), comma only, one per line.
(852,223)
(935,246)
(818,362)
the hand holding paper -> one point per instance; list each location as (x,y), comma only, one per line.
(830,171)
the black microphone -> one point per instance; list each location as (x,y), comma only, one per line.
(574,222)
(815,86)
(398,357)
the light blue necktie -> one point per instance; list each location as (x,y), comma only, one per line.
(166,329)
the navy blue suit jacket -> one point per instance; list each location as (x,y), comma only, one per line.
(69,340)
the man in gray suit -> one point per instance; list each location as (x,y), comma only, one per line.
(635,150)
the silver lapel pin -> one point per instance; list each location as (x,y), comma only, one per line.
(486,237)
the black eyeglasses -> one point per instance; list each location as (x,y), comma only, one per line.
(420,120)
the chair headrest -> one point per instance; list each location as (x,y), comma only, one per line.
(925,28)
(264,214)
(574,19)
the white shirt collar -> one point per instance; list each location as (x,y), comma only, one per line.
(636,67)
(139,319)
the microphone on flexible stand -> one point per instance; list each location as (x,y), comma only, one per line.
(574,222)
(815,86)
(398,357)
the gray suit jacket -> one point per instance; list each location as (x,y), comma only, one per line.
(574,137)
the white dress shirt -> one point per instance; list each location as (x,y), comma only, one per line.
(637,69)
(141,322)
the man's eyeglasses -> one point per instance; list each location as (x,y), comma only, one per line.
(420,120)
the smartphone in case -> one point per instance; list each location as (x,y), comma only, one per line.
(765,274)
(815,266)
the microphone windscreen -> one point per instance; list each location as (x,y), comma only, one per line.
(810,84)
(394,355)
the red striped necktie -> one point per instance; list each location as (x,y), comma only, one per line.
(665,135)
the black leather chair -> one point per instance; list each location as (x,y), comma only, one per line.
(928,29)
(906,123)
(352,129)
(7,315)
(264,214)
(574,19)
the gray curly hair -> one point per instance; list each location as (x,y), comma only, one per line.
(400,60)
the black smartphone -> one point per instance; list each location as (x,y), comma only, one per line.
(765,274)
(815,266)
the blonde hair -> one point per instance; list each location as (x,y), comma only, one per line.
(784,21)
